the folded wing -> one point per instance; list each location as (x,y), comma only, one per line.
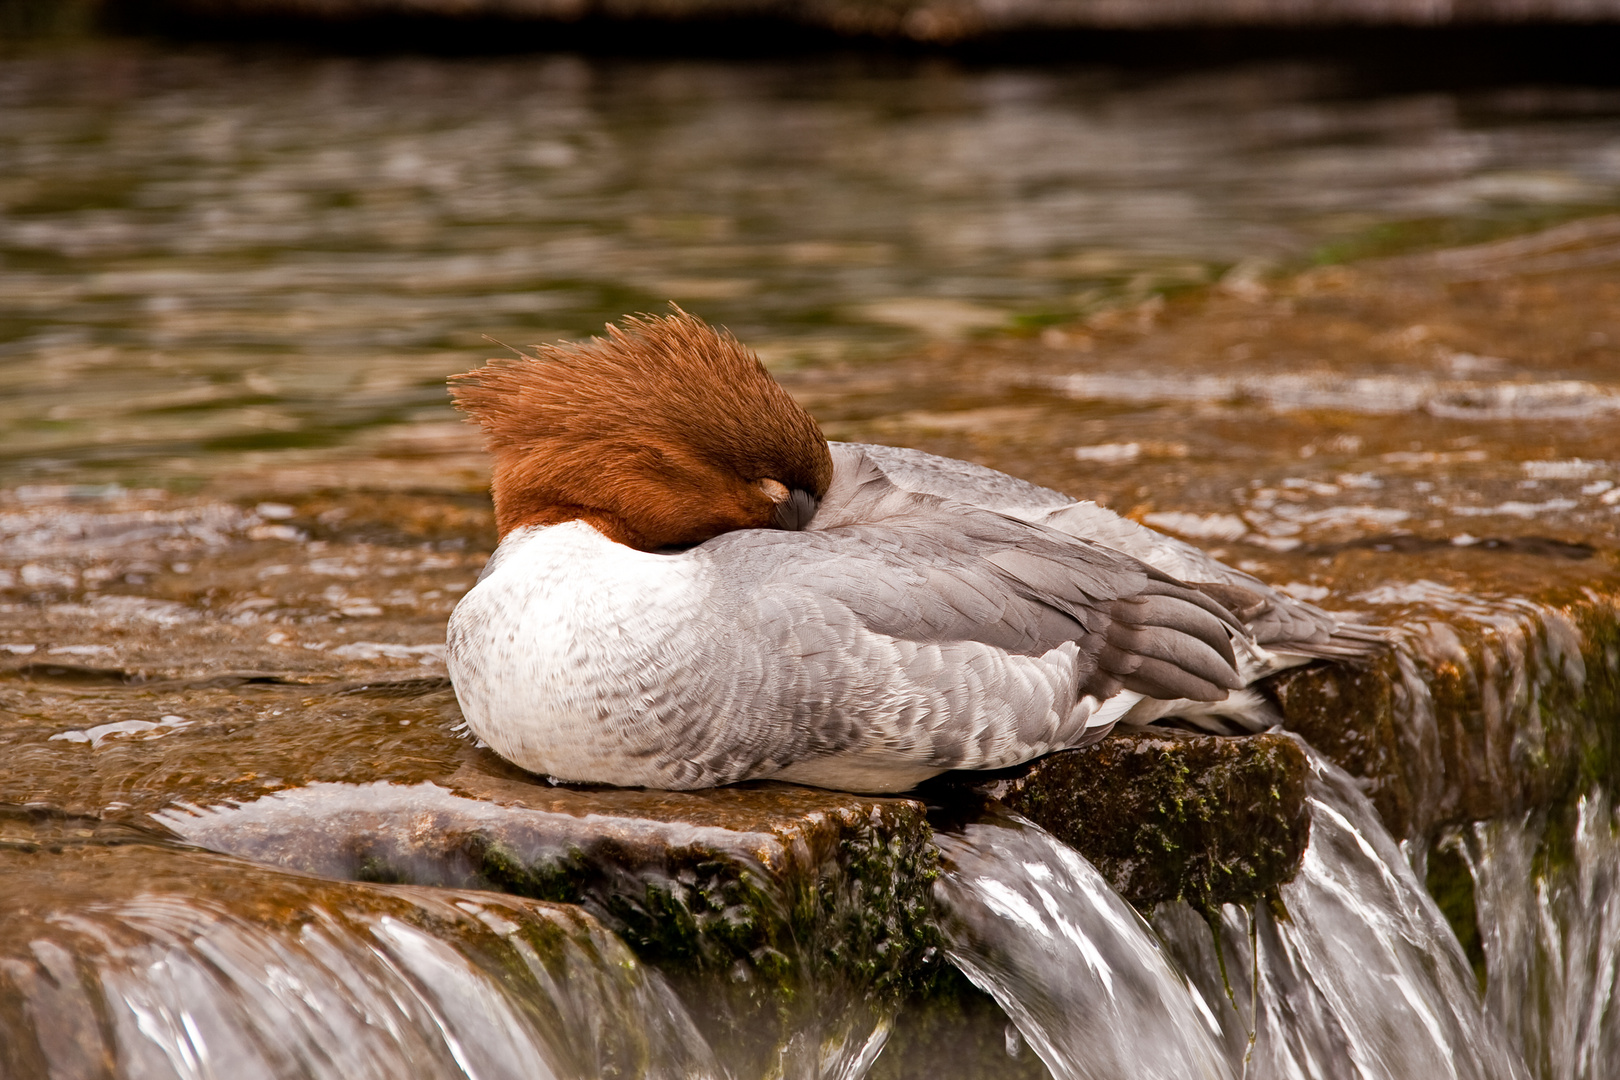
(1287,629)
(983,639)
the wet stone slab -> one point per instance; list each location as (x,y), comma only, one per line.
(1492,705)
(193,663)
(124,954)
(1463,399)
(1167,815)
(163,651)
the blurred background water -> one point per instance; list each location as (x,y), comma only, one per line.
(217,249)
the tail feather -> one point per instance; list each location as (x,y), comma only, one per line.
(1243,712)
(1349,641)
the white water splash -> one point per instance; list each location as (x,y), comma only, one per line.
(1550,928)
(1037,927)
(1363,979)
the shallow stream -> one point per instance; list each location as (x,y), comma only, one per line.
(209,252)
(240,833)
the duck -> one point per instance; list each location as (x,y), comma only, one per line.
(693,587)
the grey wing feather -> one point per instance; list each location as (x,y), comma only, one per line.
(962,481)
(921,568)
(1273,619)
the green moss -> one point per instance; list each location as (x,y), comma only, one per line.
(764,950)
(379,871)
(1599,698)
(1164,817)
(499,868)
(704,918)
(956,1030)
(880,906)
(1452,886)
(1030,322)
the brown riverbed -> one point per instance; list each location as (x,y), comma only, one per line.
(339,568)
(1429,440)
(1452,416)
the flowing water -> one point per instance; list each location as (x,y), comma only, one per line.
(1357,974)
(1547,905)
(209,256)
(206,253)
(1078,970)
(123,957)
(1354,974)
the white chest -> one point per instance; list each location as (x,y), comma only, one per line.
(557,652)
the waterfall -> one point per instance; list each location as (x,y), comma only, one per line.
(123,957)
(1078,970)
(1354,974)
(1547,906)
(127,953)
(1359,975)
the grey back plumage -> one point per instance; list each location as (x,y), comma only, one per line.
(1044,586)
(946,635)
(1272,619)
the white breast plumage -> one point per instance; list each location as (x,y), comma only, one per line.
(564,637)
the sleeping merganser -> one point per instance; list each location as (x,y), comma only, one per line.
(693,587)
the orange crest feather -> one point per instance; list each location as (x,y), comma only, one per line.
(658,434)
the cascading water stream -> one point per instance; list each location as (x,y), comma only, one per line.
(1547,905)
(1361,977)
(1078,970)
(171,962)
(119,957)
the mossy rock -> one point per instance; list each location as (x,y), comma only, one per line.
(1482,711)
(779,909)
(1168,815)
